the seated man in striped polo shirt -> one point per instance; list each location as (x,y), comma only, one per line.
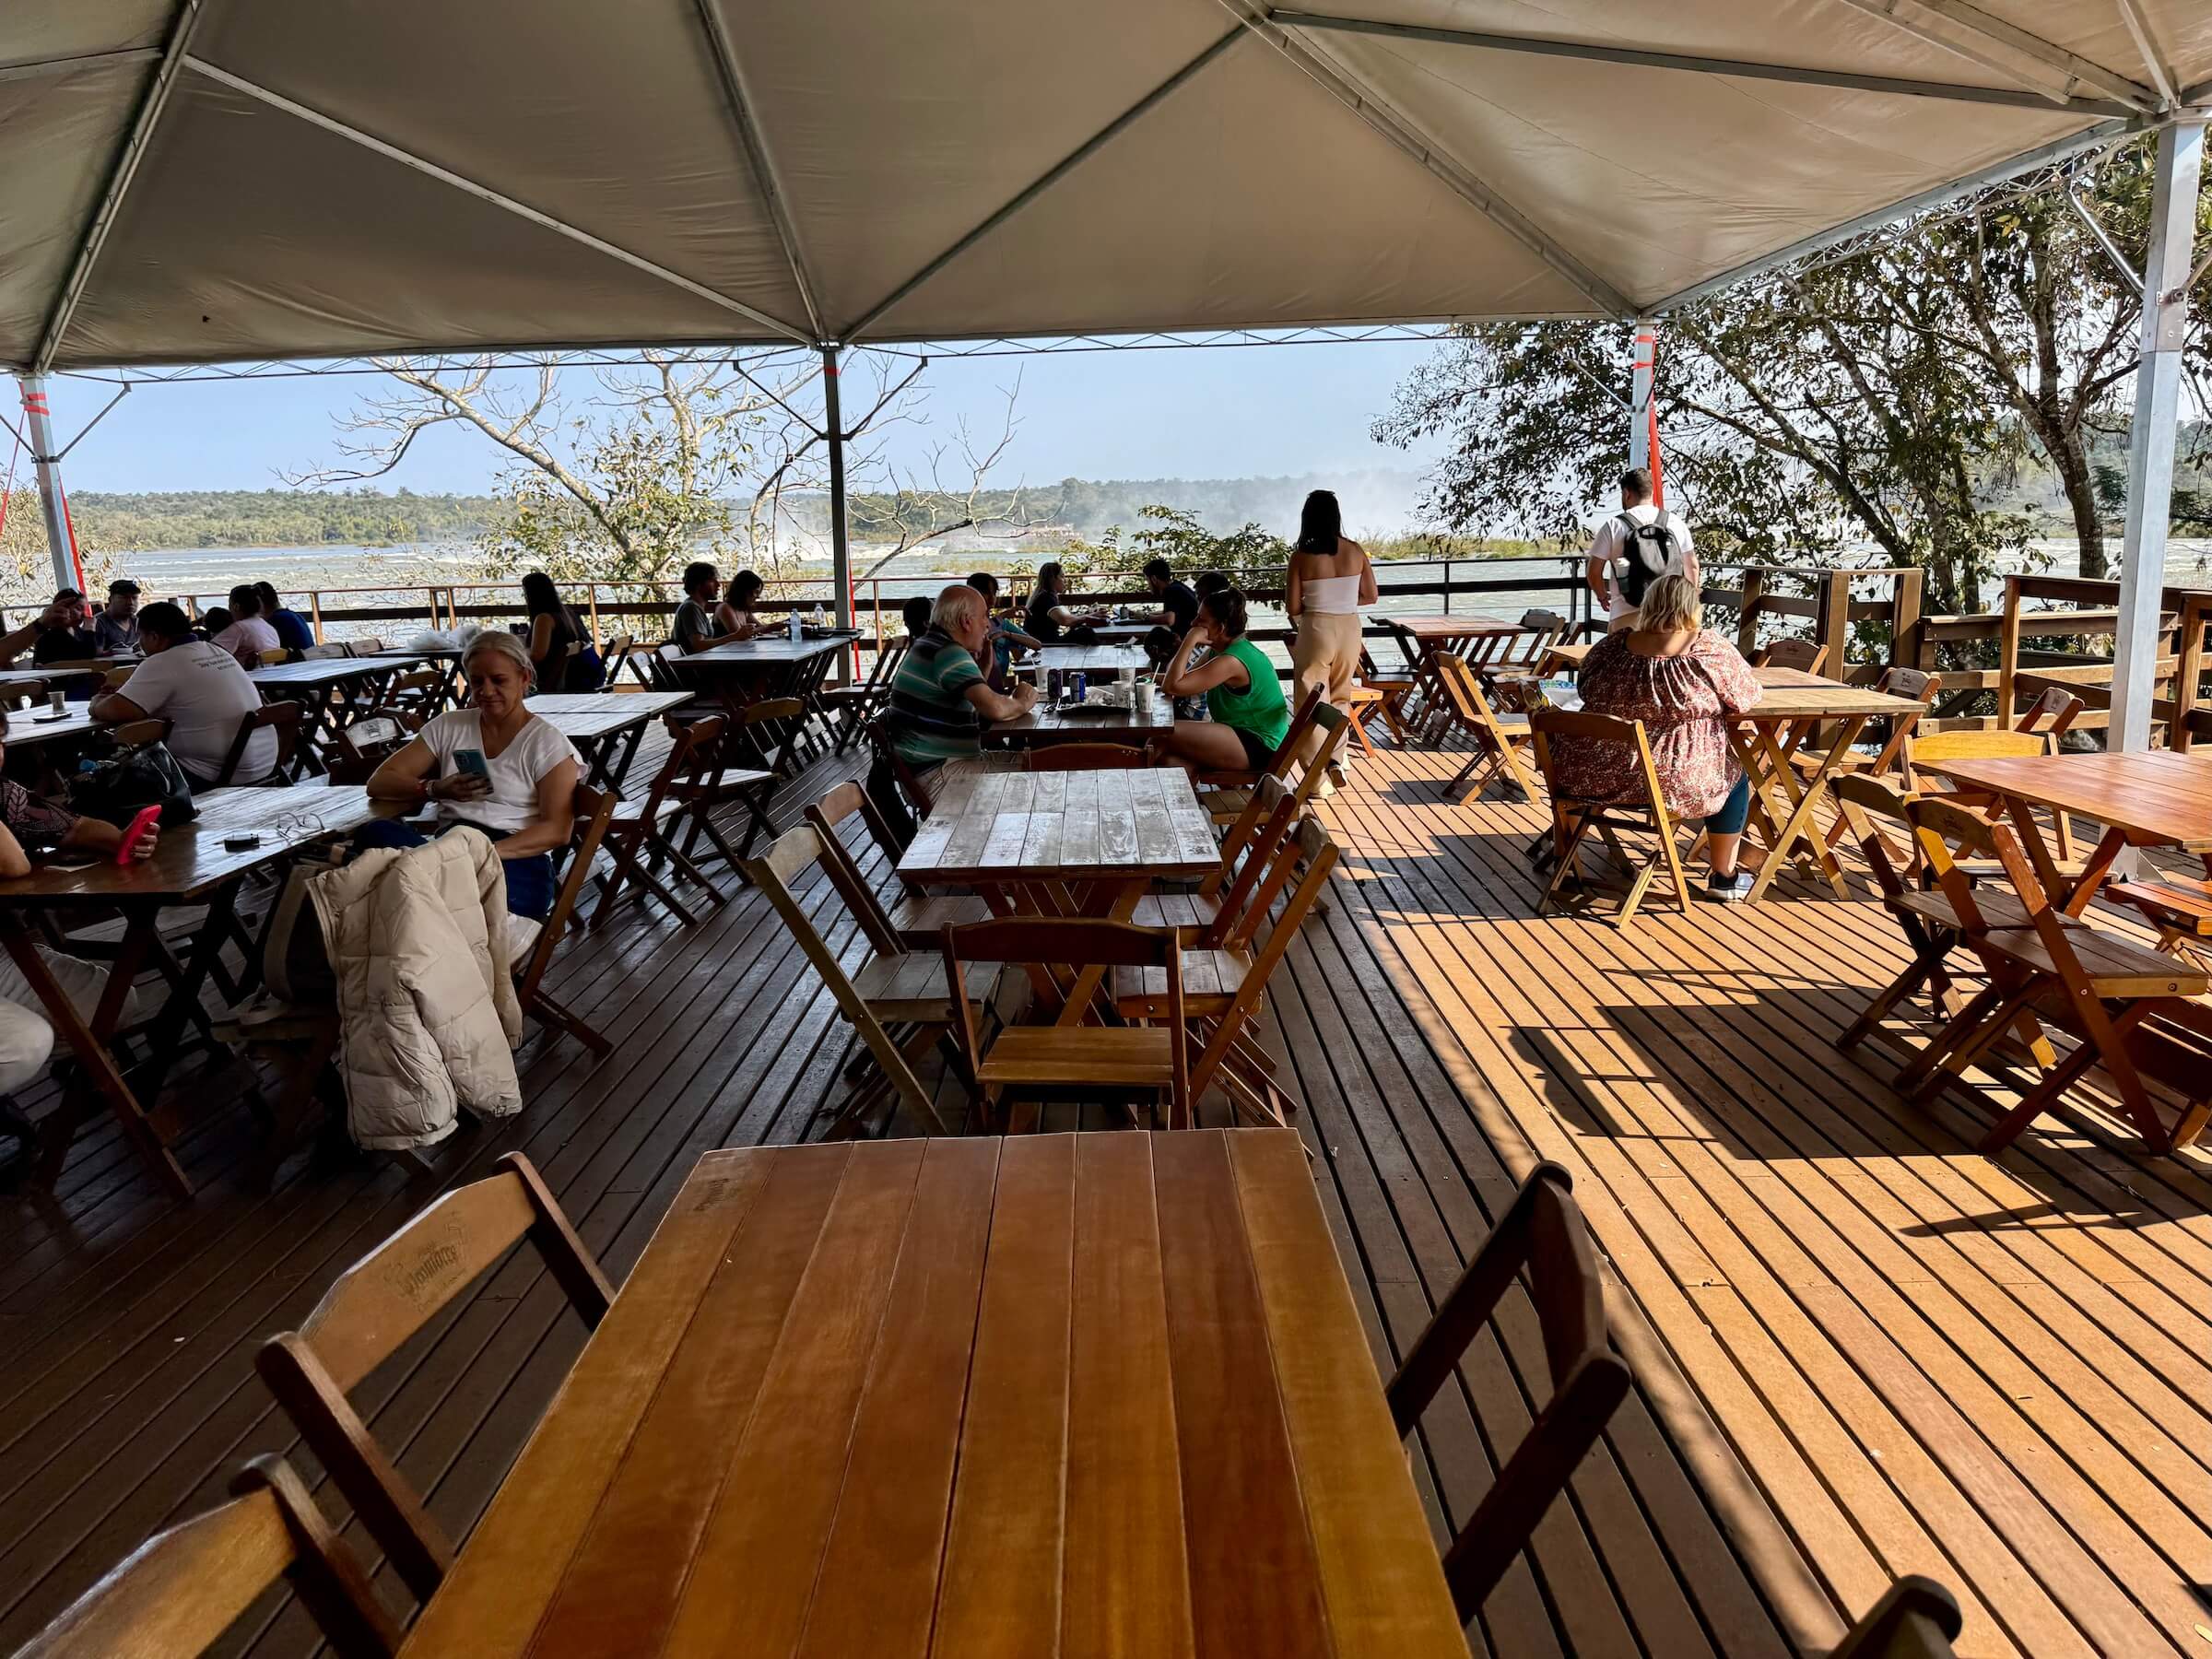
(940,698)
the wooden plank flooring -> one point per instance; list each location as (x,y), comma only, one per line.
(1861,1350)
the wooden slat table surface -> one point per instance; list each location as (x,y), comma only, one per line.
(2158,796)
(589,716)
(1049,723)
(1434,630)
(777,650)
(1061,1395)
(1110,658)
(26,729)
(1065,827)
(323,672)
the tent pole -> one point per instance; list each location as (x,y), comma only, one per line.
(840,551)
(2181,150)
(1640,394)
(38,428)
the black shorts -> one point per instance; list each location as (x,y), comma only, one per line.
(1258,756)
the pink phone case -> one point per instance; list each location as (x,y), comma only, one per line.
(148,816)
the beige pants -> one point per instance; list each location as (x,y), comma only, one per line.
(1326,655)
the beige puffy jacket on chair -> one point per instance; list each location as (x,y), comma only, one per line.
(419,942)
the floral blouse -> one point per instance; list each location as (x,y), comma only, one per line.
(34,820)
(1682,702)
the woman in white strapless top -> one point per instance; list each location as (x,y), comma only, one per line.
(1328,579)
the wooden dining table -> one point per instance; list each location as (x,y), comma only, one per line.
(315,682)
(1108,658)
(606,726)
(1425,638)
(1064,844)
(1079,1395)
(2144,798)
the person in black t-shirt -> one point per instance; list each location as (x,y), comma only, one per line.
(60,633)
(1178,611)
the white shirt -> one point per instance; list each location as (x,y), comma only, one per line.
(515,770)
(248,637)
(200,689)
(1605,545)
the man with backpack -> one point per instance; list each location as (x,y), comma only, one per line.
(1634,549)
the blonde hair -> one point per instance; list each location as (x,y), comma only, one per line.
(1671,602)
(499,642)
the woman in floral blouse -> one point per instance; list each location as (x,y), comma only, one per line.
(1683,682)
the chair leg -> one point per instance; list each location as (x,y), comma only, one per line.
(543,1008)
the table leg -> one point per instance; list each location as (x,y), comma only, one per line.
(206,945)
(1116,902)
(620,769)
(89,1043)
(1801,825)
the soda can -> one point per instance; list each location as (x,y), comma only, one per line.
(1082,686)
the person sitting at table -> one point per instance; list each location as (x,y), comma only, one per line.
(1178,609)
(57,634)
(914,613)
(555,624)
(213,620)
(1684,682)
(1050,620)
(523,797)
(939,698)
(200,689)
(1251,716)
(294,632)
(1006,638)
(115,630)
(694,627)
(250,633)
(29,823)
(734,618)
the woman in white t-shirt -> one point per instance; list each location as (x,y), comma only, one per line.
(523,797)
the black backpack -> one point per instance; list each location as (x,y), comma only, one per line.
(1647,553)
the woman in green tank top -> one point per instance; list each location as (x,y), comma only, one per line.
(1243,694)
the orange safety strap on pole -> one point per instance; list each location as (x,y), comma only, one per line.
(76,562)
(1651,415)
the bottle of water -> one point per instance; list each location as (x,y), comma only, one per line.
(795,630)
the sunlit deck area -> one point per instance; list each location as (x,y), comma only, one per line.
(1861,1348)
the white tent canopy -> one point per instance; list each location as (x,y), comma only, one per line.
(219,180)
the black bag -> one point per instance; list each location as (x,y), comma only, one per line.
(1647,553)
(116,785)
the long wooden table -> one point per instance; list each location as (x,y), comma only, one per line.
(606,726)
(191,867)
(314,682)
(1060,724)
(1064,1395)
(2152,798)
(1110,658)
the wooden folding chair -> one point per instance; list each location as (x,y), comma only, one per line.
(177,1593)
(416,691)
(1801,654)
(897,1003)
(384,1298)
(2180,910)
(1386,691)
(593,811)
(275,657)
(1497,739)
(1916,1619)
(2099,987)
(1259,831)
(746,768)
(917,918)
(357,750)
(1572,819)
(613,657)
(1225,972)
(1522,654)
(1080,1062)
(851,707)
(1541,1237)
(1219,792)
(1227,806)
(282,718)
(637,840)
(1923,752)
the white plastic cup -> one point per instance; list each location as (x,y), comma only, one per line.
(58,701)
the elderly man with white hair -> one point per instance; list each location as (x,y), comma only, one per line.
(940,695)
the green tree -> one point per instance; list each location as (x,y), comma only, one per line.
(1176,535)
(26,566)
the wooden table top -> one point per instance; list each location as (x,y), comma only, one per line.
(2156,796)
(589,714)
(27,728)
(765,651)
(1789,693)
(1073,826)
(1059,1394)
(1450,627)
(192,858)
(331,671)
(1092,659)
(59,671)
(1058,725)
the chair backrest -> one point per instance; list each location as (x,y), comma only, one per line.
(1244,836)
(24,694)
(770,730)
(132,733)
(115,680)
(849,799)
(612,656)
(381,1301)
(1949,833)
(1915,683)
(878,735)
(179,1591)
(1084,757)
(553,672)
(886,662)
(1542,1237)
(1925,750)
(1791,653)
(595,810)
(1916,1619)
(1463,692)
(323,653)
(283,718)
(357,750)
(1071,942)
(414,680)
(775,873)
(275,657)
(367,645)
(2053,712)
(1866,803)
(1547,725)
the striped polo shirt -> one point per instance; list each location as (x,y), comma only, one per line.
(930,717)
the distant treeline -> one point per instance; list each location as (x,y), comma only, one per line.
(277,518)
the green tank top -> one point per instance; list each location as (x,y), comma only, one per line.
(1258,708)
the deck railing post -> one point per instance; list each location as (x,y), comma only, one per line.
(1746,618)
(2008,649)
(1905,646)
(315,614)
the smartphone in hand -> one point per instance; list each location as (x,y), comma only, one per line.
(145,819)
(471,763)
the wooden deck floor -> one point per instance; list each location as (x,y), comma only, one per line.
(1862,1348)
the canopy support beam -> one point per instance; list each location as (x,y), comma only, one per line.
(1044,181)
(156,98)
(484,193)
(841,549)
(756,157)
(39,68)
(38,426)
(1589,51)
(1376,111)
(1995,30)
(2177,170)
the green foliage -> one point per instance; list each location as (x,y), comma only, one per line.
(27,570)
(1175,535)
(274,518)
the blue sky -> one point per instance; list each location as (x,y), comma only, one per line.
(1224,412)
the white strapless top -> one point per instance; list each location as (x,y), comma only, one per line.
(1326,595)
